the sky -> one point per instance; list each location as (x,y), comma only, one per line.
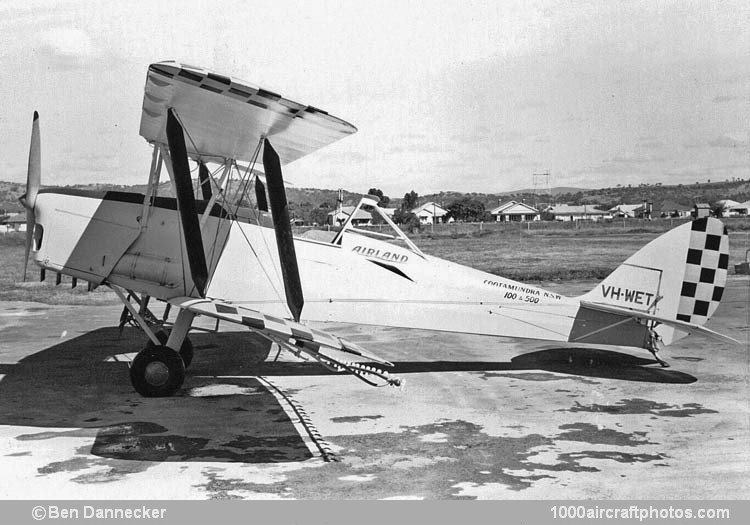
(462,96)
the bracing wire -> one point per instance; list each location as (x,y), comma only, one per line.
(241,192)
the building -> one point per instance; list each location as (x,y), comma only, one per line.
(740,210)
(15,222)
(726,206)
(513,211)
(673,209)
(340,216)
(701,209)
(587,212)
(431,212)
(389,212)
(627,211)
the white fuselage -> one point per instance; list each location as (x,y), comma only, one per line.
(103,238)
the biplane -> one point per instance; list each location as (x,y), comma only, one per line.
(227,251)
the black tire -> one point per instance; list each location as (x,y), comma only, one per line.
(186,350)
(157,371)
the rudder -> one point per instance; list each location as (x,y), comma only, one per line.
(680,275)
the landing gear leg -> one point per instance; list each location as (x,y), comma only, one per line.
(654,345)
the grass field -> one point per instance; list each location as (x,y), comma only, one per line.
(12,287)
(542,252)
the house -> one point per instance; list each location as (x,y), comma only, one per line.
(673,209)
(389,211)
(624,210)
(633,211)
(15,222)
(726,206)
(740,210)
(701,209)
(587,212)
(513,211)
(340,216)
(431,212)
(627,211)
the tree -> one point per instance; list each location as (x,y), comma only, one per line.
(406,218)
(411,200)
(384,199)
(467,209)
(318,216)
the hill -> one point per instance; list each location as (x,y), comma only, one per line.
(310,204)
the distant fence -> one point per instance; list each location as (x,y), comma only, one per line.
(612,226)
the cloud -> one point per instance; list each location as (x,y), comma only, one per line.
(467,138)
(531,104)
(477,134)
(417,148)
(649,144)
(411,137)
(66,47)
(346,156)
(719,99)
(571,118)
(730,140)
(508,156)
(637,159)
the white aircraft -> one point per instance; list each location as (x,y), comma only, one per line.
(210,257)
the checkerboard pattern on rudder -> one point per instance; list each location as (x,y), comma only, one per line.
(705,271)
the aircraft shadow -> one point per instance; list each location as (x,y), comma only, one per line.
(70,385)
(215,418)
(586,362)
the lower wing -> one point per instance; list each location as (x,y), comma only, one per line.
(331,351)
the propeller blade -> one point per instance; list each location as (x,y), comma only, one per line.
(186,203)
(205,181)
(33,182)
(283,229)
(260,195)
(34,173)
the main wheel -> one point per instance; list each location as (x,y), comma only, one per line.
(157,371)
(186,350)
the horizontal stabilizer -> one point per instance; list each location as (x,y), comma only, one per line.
(680,275)
(680,325)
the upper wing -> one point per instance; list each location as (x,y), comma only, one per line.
(295,337)
(226,117)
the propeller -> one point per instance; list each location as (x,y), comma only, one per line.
(33,182)
(186,203)
(283,229)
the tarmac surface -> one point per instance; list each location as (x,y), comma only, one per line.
(477,418)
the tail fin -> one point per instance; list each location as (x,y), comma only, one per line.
(678,276)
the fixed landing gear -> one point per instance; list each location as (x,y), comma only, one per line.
(157,371)
(653,345)
(186,350)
